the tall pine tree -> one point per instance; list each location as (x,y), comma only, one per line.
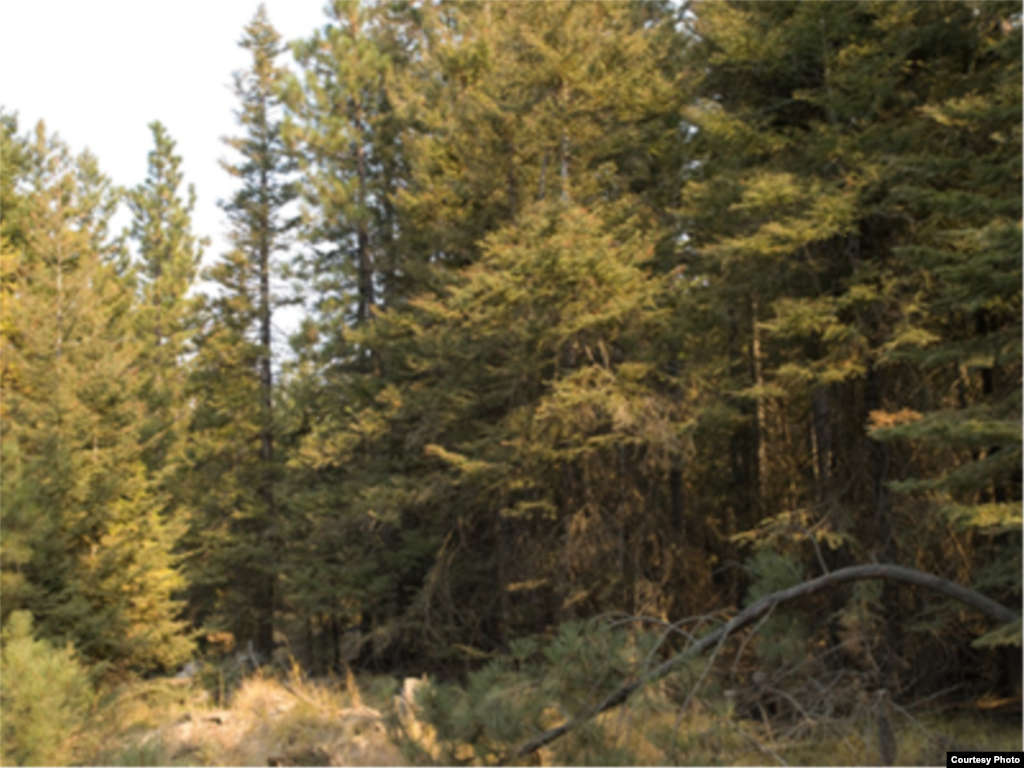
(18,161)
(505,132)
(237,529)
(339,129)
(963,329)
(344,132)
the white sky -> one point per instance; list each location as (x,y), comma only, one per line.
(99,71)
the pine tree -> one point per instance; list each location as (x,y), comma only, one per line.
(15,161)
(13,158)
(508,105)
(964,329)
(15,152)
(343,130)
(233,378)
(92,556)
(823,214)
(169,256)
(339,129)
(380,514)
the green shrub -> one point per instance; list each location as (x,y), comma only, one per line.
(44,697)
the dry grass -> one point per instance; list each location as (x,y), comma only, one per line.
(710,735)
(269,722)
(277,721)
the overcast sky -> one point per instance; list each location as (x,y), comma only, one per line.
(99,71)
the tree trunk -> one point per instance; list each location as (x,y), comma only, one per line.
(821,434)
(762,409)
(364,257)
(267,589)
(879,453)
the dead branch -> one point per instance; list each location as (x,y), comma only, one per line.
(752,613)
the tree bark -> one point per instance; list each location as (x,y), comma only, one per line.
(267,588)
(821,434)
(752,613)
(762,408)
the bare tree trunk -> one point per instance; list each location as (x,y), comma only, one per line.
(365,259)
(510,179)
(677,501)
(565,168)
(880,457)
(762,413)
(879,454)
(60,302)
(501,540)
(267,586)
(563,98)
(821,435)
(542,186)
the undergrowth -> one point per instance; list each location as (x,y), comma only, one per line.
(720,711)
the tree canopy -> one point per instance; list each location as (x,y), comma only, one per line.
(619,308)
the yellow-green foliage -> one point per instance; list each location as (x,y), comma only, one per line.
(44,697)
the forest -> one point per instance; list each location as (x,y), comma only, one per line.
(616,318)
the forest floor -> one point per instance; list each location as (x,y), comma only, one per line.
(267,720)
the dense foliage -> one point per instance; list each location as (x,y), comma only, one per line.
(610,308)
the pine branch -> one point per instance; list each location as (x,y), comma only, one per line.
(752,613)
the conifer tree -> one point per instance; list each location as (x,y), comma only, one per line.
(380,511)
(16,157)
(344,133)
(169,256)
(238,530)
(92,553)
(963,330)
(15,151)
(511,104)
(818,214)
(339,128)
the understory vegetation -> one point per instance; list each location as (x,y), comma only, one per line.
(619,322)
(712,711)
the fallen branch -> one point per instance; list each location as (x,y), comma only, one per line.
(752,613)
